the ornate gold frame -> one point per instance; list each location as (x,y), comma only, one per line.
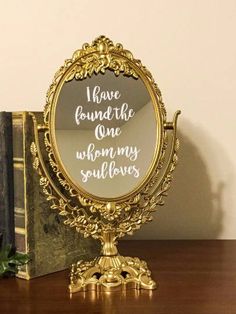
(101,218)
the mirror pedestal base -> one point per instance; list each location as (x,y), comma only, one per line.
(110,273)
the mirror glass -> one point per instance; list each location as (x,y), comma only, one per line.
(106,133)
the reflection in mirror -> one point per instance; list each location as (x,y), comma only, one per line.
(106,133)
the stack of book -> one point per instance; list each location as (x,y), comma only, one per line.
(26,219)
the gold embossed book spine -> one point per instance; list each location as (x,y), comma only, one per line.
(39,230)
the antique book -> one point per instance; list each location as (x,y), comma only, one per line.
(6,180)
(39,230)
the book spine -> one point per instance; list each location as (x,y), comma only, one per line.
(19,188)
(6,180)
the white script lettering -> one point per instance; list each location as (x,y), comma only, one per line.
(101,132)
(130,152)
(109,170)
(98,96)
(123,113)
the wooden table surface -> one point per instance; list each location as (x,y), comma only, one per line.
(194,277)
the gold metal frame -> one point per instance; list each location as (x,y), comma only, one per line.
(102,218)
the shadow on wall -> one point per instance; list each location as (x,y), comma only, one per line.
(192,210)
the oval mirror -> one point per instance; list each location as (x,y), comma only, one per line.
(106,133)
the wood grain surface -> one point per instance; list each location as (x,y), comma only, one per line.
(194,277)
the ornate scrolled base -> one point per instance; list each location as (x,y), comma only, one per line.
(111,273)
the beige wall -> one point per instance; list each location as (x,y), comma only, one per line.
(190,48)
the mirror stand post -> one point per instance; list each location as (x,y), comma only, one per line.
(110,271)
(108,241)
